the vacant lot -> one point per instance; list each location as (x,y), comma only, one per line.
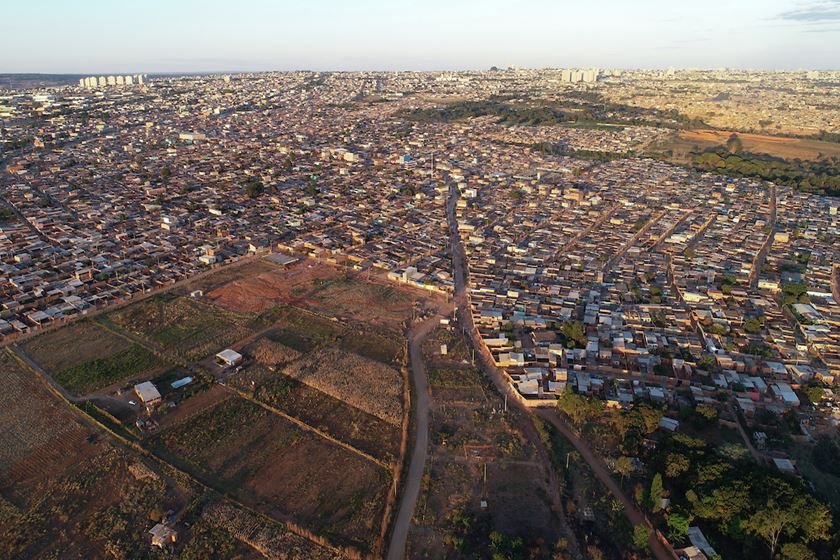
(363,383)
(260,287)
(271,464)
(788,148)
(350,295)
(470,438)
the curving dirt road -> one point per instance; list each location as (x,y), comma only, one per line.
(417,464)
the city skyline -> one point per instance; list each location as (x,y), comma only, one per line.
(96,37)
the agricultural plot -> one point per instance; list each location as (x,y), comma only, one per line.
(363,383)
(73,345)
(65,491)
(85,357)
(304,331)
(271,464)
(346,423)
(184,326)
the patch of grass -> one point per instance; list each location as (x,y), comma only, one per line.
(101,372)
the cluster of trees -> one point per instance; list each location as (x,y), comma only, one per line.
(468,535)
(253,187)
(508,114)
(744,506)
(819,177)
(622,431)
(590,155)
(826,136)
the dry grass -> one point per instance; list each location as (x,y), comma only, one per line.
(73,345)
(368,385)
(270,353)
(788,148)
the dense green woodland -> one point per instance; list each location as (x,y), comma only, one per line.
(747,510)
(818,177)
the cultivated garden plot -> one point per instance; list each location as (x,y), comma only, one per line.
(284,471)
(85,357)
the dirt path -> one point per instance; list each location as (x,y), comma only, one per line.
(602,472)
(487,364)
(420,451)
(760,257)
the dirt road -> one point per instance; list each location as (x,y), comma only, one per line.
(419,453)
(488,366)
(602,472)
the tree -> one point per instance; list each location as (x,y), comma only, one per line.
(677,527)
(734,144)
(650,418)
(578,408)
(574,333)
(505,547)
(676,465)
(708,413)
(253,188)
(797,551)
(624,466)
(640,537)
(656,493)
(788,512)
(813,392)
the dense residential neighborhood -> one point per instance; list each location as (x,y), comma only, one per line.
(585,265)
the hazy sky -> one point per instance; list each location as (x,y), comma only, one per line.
(103,36)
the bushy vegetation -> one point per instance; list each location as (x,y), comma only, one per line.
(818,177)
(510,115)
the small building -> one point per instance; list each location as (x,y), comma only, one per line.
(148,393)
(229,358)
(163,535)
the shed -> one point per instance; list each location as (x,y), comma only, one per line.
(162,535)
(147,392)
(229,357)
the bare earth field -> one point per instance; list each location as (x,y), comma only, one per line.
(788,148)
(273,465)
(257,288)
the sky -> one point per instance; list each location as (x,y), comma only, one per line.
(117,36)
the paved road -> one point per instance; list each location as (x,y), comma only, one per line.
(417,464)
(602,472)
